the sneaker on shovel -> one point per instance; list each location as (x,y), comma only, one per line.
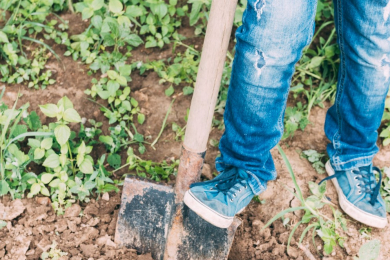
(358,194)
(219,200)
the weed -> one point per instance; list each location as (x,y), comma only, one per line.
(385,187)
(316,159)
(26,22)
(70,172)
(328,229)
(54,253)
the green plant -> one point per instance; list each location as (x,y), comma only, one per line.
(365,232)
(148,169)
(54,253)
(370,250)
(70,173)
(327,228)
(24,26)
(385,133)
(294,119)
(316,159)
(385,187)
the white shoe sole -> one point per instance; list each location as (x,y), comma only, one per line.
(353,211)
(205,212)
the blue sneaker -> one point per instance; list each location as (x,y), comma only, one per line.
(219,200)
(358,194)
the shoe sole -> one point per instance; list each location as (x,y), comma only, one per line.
(205,212)
(353,211)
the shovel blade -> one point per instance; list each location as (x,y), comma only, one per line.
(145,219)
(145,216)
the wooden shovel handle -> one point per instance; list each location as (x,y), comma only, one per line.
(209,76)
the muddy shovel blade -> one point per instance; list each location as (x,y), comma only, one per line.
(146,215)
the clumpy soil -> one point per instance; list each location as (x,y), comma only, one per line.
(86,231)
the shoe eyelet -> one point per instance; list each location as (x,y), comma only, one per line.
(234,195)
(211,188)
(246,187)
(231,200)
(359,192)
(358,185)
(215,185)
(239,190)
(355,178)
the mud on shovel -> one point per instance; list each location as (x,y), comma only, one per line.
(152,217)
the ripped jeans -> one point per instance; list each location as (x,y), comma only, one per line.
(269,44)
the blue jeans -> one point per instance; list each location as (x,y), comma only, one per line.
(269,43)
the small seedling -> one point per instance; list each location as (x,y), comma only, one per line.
(316,159)
(54,253)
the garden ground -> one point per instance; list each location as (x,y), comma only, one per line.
(86,230)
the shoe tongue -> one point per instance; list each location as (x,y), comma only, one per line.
(367,168)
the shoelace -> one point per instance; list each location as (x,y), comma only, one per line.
(227,184)
(367,178)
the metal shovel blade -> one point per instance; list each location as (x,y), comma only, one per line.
(145,218)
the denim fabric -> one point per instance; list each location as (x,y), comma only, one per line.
(269,43)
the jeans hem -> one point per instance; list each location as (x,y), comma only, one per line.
(257,187)
(351,164)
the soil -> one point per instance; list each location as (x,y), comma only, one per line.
(86,231)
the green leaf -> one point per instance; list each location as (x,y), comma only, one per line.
(2,224)
(3,37)
(39,153)
(370,250)
(115,6)
(114,160)
(141,118)
(87,13)
(159,9)
(35,188)
(34,143)
(47,143)
(134,40)
(188,90)
(53,161)
(97,22)
(65,102)
(71,115)
(4,187)
(62,134)
(45,191)
(169,91)
(106,139)
(86,167)
(97,4)
(125,70)
(33,121)
(47,177)
(112,74)
(49,110)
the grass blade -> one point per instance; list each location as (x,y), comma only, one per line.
(285,159)
(43,44)
(281,214)
(292,233)
(163,125)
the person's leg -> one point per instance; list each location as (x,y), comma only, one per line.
(269,43)
(363,30)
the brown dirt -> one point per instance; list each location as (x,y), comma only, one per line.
(89,235)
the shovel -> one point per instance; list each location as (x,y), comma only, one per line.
(152,217)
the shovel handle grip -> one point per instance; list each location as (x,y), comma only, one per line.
(209,76)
